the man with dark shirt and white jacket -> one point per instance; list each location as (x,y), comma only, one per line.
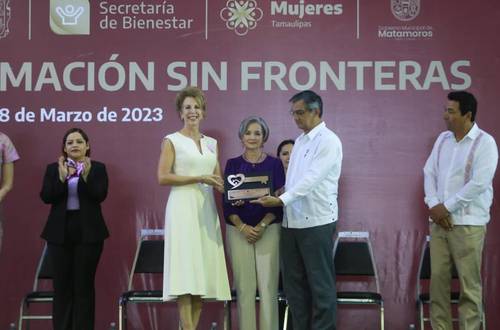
(310,215)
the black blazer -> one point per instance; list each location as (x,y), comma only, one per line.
(90,194)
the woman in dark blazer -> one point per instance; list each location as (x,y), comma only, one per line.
(75,231)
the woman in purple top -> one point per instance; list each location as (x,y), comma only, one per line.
(8,155)
(254,231)
(75,187)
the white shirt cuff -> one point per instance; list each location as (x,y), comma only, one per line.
(285,198)
(451,204)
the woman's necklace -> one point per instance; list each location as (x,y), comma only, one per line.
(254,162)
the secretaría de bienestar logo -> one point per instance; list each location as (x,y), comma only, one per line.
(70,16)
(4,18)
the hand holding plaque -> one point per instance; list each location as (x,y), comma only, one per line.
(250,186)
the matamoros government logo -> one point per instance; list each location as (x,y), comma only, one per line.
(4,18)
(241,15)
(70,16)
(405,10)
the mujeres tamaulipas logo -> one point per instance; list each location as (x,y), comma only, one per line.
(241,15)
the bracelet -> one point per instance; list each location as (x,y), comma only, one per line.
(242,227)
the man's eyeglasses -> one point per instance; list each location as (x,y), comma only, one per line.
(299,112)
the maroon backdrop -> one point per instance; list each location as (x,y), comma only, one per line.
(383,78)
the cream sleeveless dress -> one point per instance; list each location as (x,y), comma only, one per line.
(194,254)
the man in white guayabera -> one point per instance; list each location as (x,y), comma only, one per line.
(458,179)
(310,216)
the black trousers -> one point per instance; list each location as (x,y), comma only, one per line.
(309,276)
(74,265)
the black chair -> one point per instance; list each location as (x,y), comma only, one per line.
(353,257)
(423,278)
(43,272)
(148,260)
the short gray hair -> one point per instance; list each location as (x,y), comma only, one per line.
(254,119)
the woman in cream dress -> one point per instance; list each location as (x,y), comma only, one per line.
(195,266)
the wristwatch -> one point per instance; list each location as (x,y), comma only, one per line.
(263,225)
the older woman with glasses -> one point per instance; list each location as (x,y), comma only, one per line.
(253,231)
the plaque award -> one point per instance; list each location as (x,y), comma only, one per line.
(244,187)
